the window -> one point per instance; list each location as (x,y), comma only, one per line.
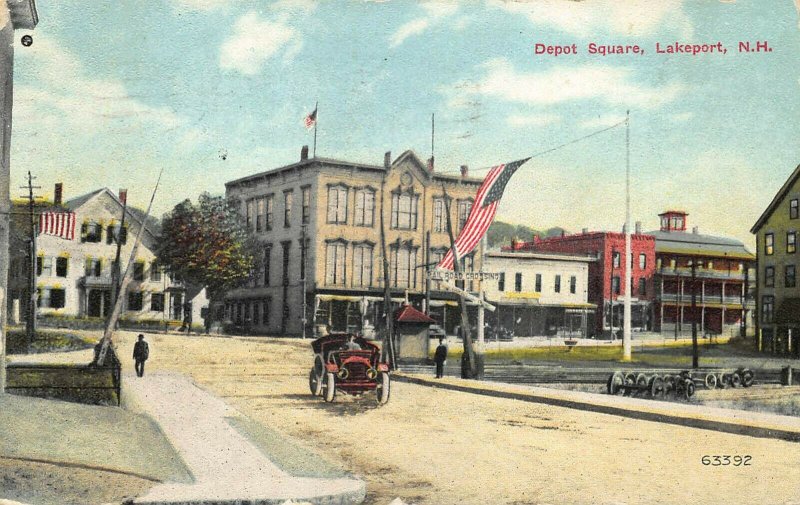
(52,298)
(642,287)
(789,277)
(62,266)
(155,272)
(94,267)
(501,282)
(769,244)
(157,302)
(261,207)
(659,263)
(573,284)
(288,196)
(538,283)
(518,282)
(337,204)
(557,284)
(44,266)
(615,284)
(791,242)
(615,257)
(404,266)
(286,246)
(642,261)
(250,211)
(464,208)
(362,265)
(268,215)
(793,210)
(267,258)
(365,207)
(306,217)
(769,277)
(138,271)
(767,309)
(335,263)
(439,217)
(91,232)
(116,232)
(135,299)
(404,211)
(266,307)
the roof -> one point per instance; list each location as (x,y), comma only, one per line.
(151,224)
(408,154)
(788,312)
(408,314)
(776,200)
(545,255)
(679,242)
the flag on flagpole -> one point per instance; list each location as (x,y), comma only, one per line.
(311,120)
(483,211)
(60,224)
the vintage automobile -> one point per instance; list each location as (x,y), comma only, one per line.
(339,367)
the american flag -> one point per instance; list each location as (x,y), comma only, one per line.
(311,119)
(483,210)
(60,224)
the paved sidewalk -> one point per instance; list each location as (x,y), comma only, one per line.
(227,466)
(756,424)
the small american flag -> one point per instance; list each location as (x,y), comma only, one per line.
(311,120)
(483,211)
(60,224)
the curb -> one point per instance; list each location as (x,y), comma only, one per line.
(647,410)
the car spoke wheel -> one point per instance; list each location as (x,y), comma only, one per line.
(383,389)
(615,383)
(688,389)
(747,377)
(329,388)
(736,380)
(314,384)
(711,381)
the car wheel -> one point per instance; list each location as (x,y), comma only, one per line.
(383,389)
(711,381)
(329,389)
(747,377)
(314,384)
(615,383)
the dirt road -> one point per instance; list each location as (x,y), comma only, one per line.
(430,446)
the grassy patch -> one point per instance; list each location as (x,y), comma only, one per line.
(46,341)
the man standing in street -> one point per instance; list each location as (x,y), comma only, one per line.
(141,352)
(440,356)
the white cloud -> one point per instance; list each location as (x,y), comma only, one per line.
(255,41)
(612,85)
(602,121)
(632,18)
(534,120)
(434,13)
(681,117)
(66,93)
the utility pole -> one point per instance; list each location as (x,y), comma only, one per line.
(30,323)
(611,298)
(304,260)
(695,357)
(115,268)
(428,272)
(481,315)
(388,344)
(469,370)
(626,330)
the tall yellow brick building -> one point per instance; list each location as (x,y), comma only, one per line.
(318,223)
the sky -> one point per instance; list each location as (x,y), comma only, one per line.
(110,93)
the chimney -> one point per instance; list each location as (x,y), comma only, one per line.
(430,164)
(695,230)
(464,170)
(638,227)
(58,193)
(123,196)
(387,159)
(624,228)
(536,239)
(304,153)
(585,231)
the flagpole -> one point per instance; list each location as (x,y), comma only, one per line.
(316,122)
(626,331)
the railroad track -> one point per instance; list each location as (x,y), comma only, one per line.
(554,374)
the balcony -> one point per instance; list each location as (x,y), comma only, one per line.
(686,299)
(704,273)
(96,281)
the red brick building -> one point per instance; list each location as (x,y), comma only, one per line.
(607,274)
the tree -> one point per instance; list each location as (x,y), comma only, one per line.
(207,244)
